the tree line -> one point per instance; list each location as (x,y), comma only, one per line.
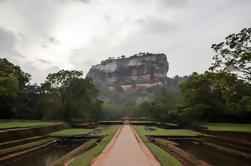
(220,94)
(65,95)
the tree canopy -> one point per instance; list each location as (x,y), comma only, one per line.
(74,93)
(215,97)
(63,96)
(8,88)
(234,55)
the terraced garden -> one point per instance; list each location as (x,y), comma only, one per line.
(83,143)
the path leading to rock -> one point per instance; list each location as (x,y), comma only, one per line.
(126,149)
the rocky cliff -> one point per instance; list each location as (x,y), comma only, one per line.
(143,70)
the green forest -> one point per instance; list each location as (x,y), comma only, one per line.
(220,94)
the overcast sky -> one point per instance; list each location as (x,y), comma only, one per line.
(43,36)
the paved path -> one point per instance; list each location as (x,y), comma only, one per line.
(126,149)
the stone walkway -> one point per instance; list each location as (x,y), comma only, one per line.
(126,149)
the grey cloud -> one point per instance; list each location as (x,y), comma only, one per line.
(38,75)
(43,61)
(8,44)
(107,18)
(98,41)
(173,3)
(37,16)
(81,1)
(53,69)
(21,36)
(155,25)
(44,45)
(81,61)
(3,1)
(186,39)
(49,40)
(52,40)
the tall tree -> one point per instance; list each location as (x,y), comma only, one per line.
(74,93)
(8,88)
(234,55)
(215,97)
(14,91)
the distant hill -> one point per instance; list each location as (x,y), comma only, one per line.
(126,82)
(143,70)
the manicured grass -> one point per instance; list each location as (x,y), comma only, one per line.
(4,124)
(162,156)
(166,132)
(171,124)
(162,141)
(74,152)
(99,127)
(24,146)
(71,132)
(142,122)
(86,158)
(228,127)
(112,121)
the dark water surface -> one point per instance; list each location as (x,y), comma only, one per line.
(210,156)
(44,157)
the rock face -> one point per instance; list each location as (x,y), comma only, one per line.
(143,70)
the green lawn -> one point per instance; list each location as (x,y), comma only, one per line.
(228,127)
(24,146)
(162,156)
(71,132)
(112,121)
(162,141)
(171,124)
(166,132)
(142,122)
(86,158)
(4,124)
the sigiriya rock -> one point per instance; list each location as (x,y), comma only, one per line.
(143,70)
